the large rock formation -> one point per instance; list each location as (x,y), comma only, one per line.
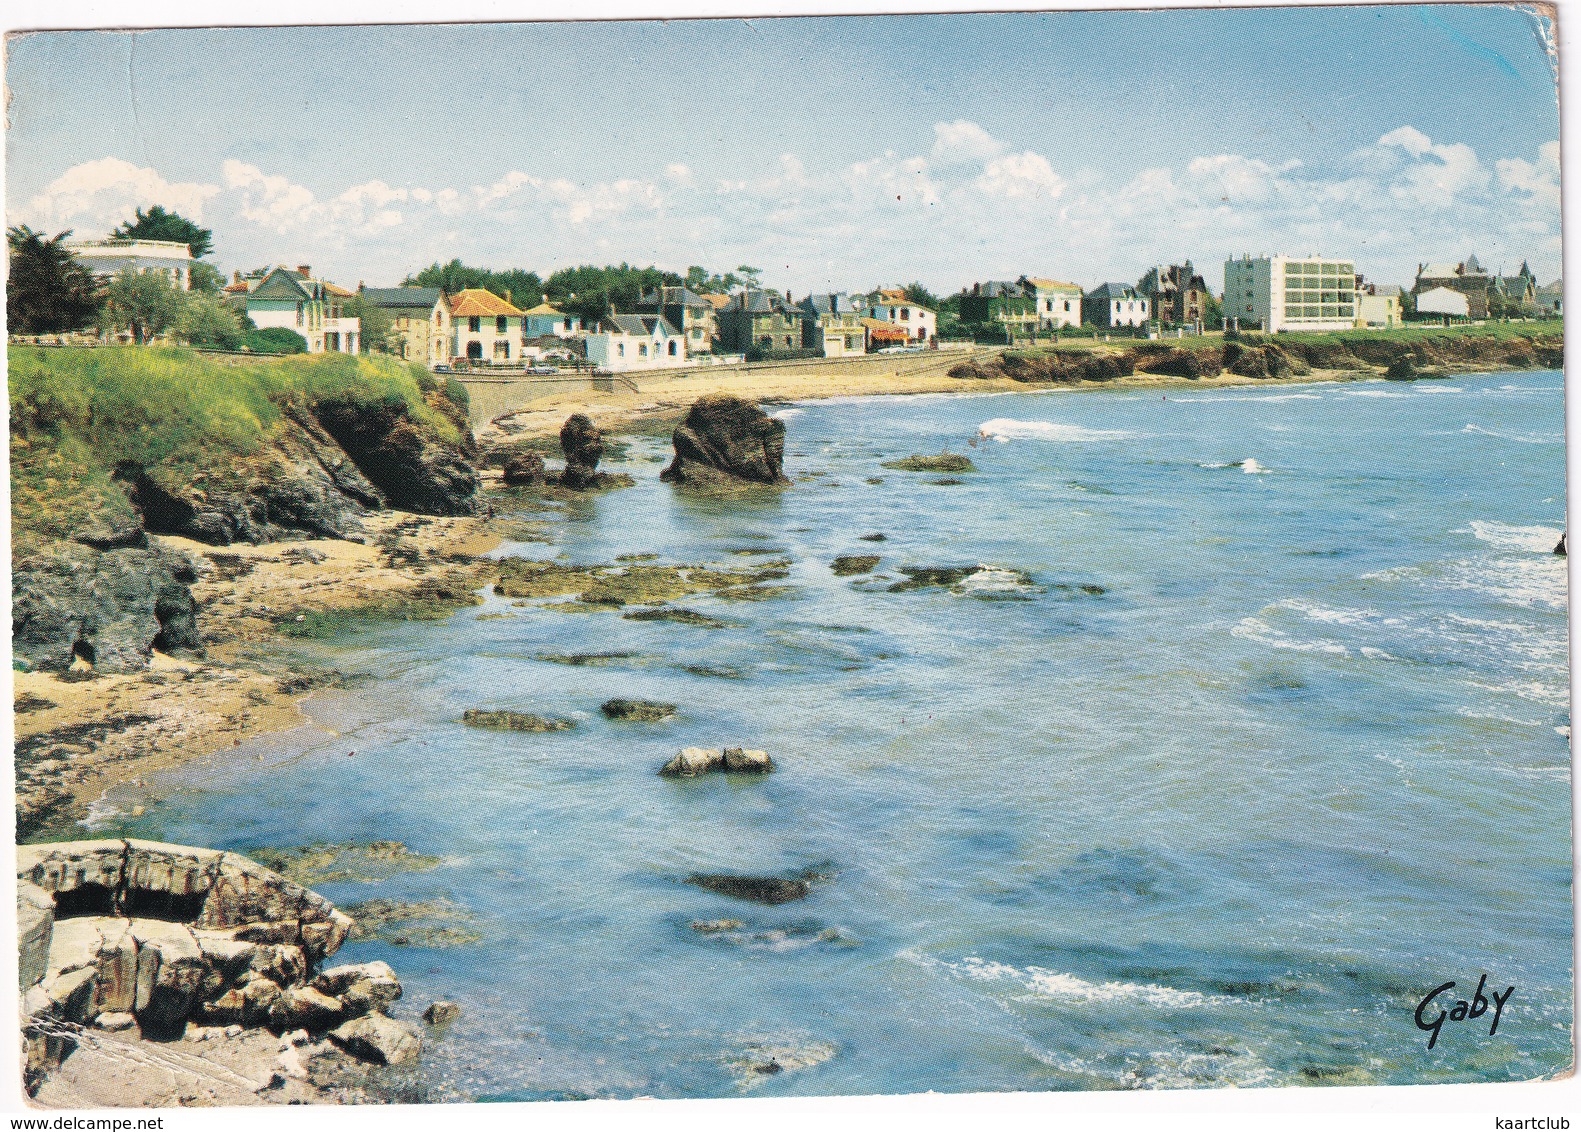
(111,609)
(583,447)
(138,935)
(726,440)
(414,469)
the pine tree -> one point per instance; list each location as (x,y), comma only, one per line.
(47,290)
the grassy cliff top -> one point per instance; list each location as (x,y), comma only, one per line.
(78,414)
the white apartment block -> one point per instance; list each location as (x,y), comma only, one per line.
(1275,293)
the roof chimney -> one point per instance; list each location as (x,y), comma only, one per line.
(361,286)
(307,272)
(236,276)
(507,294)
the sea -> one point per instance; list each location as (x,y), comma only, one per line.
(1245,729)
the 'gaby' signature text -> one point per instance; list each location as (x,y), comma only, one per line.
(1433,1011)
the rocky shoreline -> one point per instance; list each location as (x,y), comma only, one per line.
(198,652)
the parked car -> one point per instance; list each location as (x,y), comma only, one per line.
(539,371)
(442,368)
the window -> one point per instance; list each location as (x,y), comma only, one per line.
(787,341)
(905,314)
(620,349)
(299,314)
(474,324)
(500,323)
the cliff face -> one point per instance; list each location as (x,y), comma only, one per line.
(107,451)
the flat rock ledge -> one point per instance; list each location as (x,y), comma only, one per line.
(142,939)
(693,761)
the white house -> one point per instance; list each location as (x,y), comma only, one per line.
(108,258)
(311,307)
(919,323)
(1443,301)
(636,341)
(487,328)
(1055,302)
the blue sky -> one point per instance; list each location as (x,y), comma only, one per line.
(832,152)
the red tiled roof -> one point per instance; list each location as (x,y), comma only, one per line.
(477,301)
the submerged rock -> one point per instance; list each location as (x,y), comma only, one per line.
(679,616)
(943,462)
(441,1013)
(760,890)
(762,1060)
(1560,548)
(989,583)
(643,711)
(849,565)
(514,721)
(726,440)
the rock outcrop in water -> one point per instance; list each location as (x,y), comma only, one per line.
(583,447)
(760,890)
(693,761)
(523,469)
(109,609)
(725,440)
(147,938)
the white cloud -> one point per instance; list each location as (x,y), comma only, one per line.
(962,142)
(97,196)
(1021,175)
(1538,180)
(969,208)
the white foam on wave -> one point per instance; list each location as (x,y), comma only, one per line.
(1328,616)
(1256,629)
(1006,429)
(1508,536)
(786,414)
(995,580)
(1044,983)
(1213,400)
(1252,468)
(1373,393)
(1518,437)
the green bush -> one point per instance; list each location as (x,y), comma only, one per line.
(275,340)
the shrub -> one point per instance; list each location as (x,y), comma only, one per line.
(275,340)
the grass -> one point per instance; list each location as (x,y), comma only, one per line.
(76,414)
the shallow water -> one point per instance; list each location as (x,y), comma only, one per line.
(1224,823)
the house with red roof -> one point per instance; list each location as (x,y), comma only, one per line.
(488,329)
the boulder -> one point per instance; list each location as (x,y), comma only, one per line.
(71,994)
(378,1039)
(110,609)
(1560,548)
(727,440)
(643,711)
(441,1013)
(408,463)
(115,1021)
(170,970)
(362,987)
(305,1008)
(741,760)
(583,446)
(523,469)
(761,890)
(35,923)
(692,761)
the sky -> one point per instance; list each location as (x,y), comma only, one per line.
(834,153)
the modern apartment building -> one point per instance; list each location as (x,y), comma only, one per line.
(1275,293)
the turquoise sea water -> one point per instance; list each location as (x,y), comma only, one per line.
(1304,759)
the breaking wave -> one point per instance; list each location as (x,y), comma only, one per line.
(1005,429)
